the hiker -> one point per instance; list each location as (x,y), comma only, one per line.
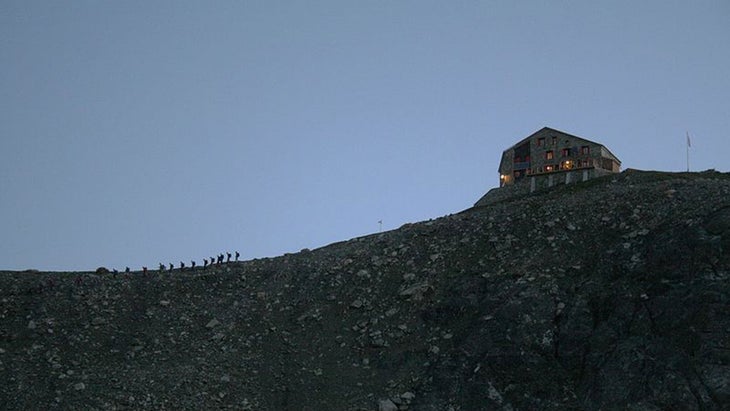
(144,270)
(229,258)
(182,265)
(126,270)
(237,255)
(205,263)
(192,264)
(162,267)
(171,267)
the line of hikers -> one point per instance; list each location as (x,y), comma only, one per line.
(220,259)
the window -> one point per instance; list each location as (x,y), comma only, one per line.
(541,142)
(555,141)
(566,152)
(585,150)
(549,155)
(586,163)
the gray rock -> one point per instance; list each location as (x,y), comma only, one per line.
(408,397)
(387,405)
(416,291)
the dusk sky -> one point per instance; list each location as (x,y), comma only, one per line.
(139,132)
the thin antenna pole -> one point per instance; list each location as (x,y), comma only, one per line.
(689,144)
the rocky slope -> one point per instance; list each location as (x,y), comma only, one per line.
(609,294)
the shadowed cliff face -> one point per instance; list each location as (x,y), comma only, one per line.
(611,294)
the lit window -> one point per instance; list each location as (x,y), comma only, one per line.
(549,155)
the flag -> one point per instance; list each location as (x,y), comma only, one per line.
(689,143)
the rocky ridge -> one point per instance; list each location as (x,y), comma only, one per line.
(609,294)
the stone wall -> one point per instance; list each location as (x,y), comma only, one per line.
(539,182)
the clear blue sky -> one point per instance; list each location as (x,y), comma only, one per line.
(138,132)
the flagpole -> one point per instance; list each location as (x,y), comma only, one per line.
(688,146)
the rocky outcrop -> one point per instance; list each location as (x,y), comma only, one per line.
(609,294)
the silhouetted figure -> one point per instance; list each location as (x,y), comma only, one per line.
(171,267)
(126,269)
(237,255)
(192,264)
(115,272)
(205,263)
(144,270)
(182,265)
(212,261)
(229,257)
(162,267)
